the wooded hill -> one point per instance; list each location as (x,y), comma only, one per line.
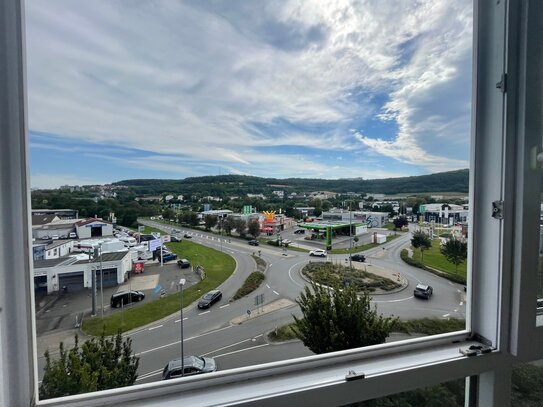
(451,181)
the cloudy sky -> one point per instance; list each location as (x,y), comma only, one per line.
(121,89)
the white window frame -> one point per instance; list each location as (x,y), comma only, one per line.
(501,296)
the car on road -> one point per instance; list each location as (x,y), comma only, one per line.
(299,232)
(253,242)
(209,299)
(358,257)
(183,263)
(175,239)
(191,365)
(423,291)
(187,236)
(126,297)
(318,252)
(72,235)
(45,237)
(176,231)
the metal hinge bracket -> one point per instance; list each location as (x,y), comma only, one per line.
(502,84)
(497,210)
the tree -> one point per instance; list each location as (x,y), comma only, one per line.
(456,251)
(421,241)
(342,319)
(253,227)
(210,221)
(240,225)
(99,364)
(317,212)
(400,222)
(168,214)
(228,225)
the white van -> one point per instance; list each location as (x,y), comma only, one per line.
(128,241)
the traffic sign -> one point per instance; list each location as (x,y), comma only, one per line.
(165,238)
(248,312)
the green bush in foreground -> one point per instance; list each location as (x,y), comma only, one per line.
(251,283)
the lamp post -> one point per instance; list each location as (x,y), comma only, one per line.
(181,284)
(101,280)
(350,238)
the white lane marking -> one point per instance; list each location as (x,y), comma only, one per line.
(271,264)
(179,320)
(275,292)
(267,285)
(206,312)
(456,310)
(150,374)
(450,282)
(155,327)
(400,300)
(241,350)
(290,270)
(226,347)
(461,303)
(224,306)
(459,291)
(185,340)
(446,315)
(258,336)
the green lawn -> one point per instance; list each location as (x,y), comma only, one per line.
(218,267)
(433,258)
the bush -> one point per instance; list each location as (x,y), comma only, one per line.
(251,283)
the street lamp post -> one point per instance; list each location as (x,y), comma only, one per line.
(181,284)
(350,238)
(101,280)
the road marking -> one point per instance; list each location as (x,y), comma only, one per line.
(267,285)
(206,312)
(150,374)
(276,293)
(400,300)
(224,306)
(225,347)
(290,276)
(178,320)
(459,291)
(456,310)
(155,327)
(461,303)
(185,340)
(258,336)
(446,315)
(241,350)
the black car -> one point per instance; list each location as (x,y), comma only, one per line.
(187,236)
(191,365)
(183,263)
(126,297)
(253,242)
(299,232)
(209,299)
(358,257)
(423,291)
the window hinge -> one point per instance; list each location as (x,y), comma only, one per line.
(352,375)
(497,210)
(502,84)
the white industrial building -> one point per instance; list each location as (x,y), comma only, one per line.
(93,227)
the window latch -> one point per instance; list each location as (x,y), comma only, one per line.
(475,350)
(352,375)
(497,210)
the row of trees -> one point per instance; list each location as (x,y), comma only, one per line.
(454,250)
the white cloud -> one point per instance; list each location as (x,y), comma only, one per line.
(198,79)
(55,180)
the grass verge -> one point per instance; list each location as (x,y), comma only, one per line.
(218,267)
(251,283)
(426,326)
(435,267)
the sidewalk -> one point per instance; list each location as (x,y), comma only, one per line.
(266,309)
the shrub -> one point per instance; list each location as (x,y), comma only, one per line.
(251,283)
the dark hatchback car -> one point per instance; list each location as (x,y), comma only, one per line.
(209,299)
(192,365)
(358,257)
(126,297)
(183,263)
(423,291)
(187,236)
(253,242)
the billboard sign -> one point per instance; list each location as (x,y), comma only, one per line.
(154,244)
(165,238)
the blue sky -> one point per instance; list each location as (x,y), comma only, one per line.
(126,89)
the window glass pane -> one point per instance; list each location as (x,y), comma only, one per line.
(539,317)
(254,149)
(449,394)
(527,382)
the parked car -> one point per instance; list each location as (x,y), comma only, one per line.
(423,291)
(167,257)
(54,237)
(191,365)
(63,237)
(175,238)
(72,235)
(183,263)
(209,299)
(299,232)
(318,252)
(187,236)
(253,242)
(45,237)
(358,257)
(126,297)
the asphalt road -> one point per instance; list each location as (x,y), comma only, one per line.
(211,332)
